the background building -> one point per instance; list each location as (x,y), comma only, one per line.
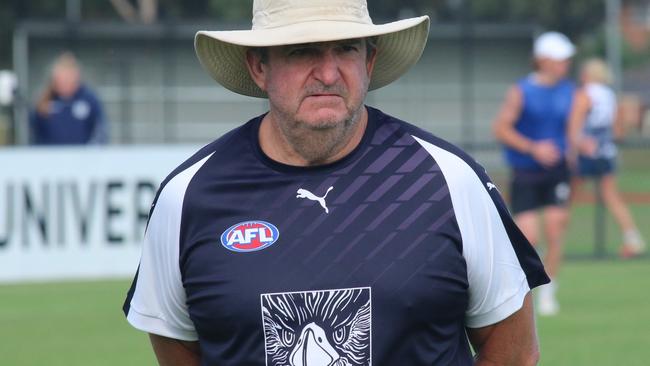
(156,92)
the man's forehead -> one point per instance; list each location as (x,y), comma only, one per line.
(327,43)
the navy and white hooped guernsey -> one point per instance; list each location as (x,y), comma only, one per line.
(382,258)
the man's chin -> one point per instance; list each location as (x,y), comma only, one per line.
(325,119)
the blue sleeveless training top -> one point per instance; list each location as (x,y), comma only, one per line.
(544,115)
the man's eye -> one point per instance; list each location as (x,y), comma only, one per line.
(349,48)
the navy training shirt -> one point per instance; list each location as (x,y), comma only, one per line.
(381,258)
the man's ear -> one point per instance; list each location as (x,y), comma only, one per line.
(370,61)
(256,68)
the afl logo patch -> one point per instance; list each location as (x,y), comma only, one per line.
(250,236)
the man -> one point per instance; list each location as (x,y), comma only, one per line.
(326,232)
(532,125)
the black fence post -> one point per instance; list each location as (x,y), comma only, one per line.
(467,124)
(600,221)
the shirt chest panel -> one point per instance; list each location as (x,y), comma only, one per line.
(404,247)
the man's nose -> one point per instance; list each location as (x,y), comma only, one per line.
(326,69)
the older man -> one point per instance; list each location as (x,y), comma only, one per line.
(325,232)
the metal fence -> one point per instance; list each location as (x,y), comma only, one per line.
(155,91)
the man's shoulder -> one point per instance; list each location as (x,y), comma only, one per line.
(222,148)
(568,85)
(457,159)
(423,136)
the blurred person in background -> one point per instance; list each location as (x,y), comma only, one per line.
(593,126)
(532,126)
(67,111)
(7,95)
(380,243)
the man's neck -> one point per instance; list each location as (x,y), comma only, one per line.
(278,147)
(546,79)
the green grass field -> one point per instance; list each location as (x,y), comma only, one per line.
(605,317)
(604,321)
(68,324)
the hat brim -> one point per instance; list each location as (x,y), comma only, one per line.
(223,53)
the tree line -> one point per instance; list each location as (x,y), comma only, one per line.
(575,17)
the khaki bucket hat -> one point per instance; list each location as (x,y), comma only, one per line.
(285,22)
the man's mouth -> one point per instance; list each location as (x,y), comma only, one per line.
(324,95)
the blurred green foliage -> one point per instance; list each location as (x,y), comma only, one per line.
(580,19)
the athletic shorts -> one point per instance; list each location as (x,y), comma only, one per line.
(595,167)
(531,190)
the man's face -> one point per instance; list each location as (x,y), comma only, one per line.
(317,85)
(557,68)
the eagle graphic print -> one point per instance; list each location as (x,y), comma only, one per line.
(318,328)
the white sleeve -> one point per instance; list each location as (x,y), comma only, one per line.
(497,282)
(158,304)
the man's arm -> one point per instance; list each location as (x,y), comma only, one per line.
(510,342)
(503,126)
(174,352)
(504,130)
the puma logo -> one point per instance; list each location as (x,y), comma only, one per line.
(491,186)
(303,193)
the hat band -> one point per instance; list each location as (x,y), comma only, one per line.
(284,16)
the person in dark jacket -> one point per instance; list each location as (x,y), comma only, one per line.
(67,112)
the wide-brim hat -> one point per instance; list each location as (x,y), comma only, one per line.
(285,22)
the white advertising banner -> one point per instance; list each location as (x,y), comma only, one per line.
(78,212)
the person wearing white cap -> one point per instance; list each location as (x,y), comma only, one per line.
(326,232)
(533,127)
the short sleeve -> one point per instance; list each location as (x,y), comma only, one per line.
(502,266)
(156,302)
(497,280)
